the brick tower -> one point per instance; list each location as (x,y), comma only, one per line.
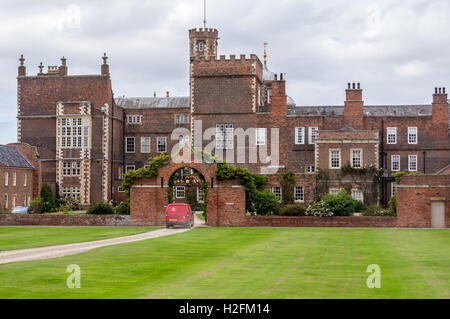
(203,43)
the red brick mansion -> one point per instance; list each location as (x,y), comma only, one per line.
(87,138)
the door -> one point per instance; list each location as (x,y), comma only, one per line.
(437,214)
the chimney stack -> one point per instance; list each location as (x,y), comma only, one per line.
(63,68)
(22,67)
(354,105)
(105,66)
(167,94)
(439,111)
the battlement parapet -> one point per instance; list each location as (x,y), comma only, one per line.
(228,65)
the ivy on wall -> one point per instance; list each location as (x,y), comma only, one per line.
(154,164)
(287,183)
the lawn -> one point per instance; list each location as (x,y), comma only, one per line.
(248,263)
(31,237)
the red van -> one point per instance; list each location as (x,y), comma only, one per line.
(179,214)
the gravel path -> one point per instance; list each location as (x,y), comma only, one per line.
(73,249)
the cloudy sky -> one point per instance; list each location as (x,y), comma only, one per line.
(398,49)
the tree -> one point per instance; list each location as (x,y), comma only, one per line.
(48,200)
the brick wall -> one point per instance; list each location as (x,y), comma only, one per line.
(414,196)
(307,221)
(63,220)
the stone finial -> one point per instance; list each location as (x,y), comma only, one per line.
(41,68)
(105,58)
(22,60)
(265,52)
(63,61)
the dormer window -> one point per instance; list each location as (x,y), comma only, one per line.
(201,46)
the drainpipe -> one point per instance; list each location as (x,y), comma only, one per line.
(424,161)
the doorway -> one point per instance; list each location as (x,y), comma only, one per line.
(437,214)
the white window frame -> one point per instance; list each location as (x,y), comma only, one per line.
(145,147)
(412,135)
(72,132)
(393,188)
(159,144)
(311,169)
(6,201)
(334,191)
(361,195)
(392,163)
(277,191)
(224,136)
(269,94)
(6,178)
(331,150)
(312,134)
(25,177)
(180,190)
(300,191)
(260,136)
(14,179)
(181,119)
(200,198)
(13,202)
(297,135)
(131,138)
(130,168)
(134,119)
(410,157)
(352,158)
(391,131)
(120,189)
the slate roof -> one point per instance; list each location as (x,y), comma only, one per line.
(153,102)
(12,157)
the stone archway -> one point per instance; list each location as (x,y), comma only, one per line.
(225,200)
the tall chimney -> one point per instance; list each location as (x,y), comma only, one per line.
(439,112)
(105,66)
(22,68)
(278,98)
(354,106)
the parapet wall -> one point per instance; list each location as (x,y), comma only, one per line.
(228,66)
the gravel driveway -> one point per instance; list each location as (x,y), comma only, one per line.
(73,249)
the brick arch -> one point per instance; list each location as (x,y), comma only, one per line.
(225,200)
(207,170)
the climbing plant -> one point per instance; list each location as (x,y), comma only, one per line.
(251,182)
(398,175)
(154,164)
(287,183)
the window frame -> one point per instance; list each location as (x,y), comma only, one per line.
(126,144)
(224,136)
(392,163)
(128,168)
(360,150)
(393,132)
(297,129)
(359,192)
(416,162)
(180,189)
(143,138)
(302,200)
(331,150)
(158,144)
(277,193)
(416,135)
(258,140)
(312,132)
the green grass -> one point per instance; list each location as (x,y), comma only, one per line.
(248,263)
(31,237)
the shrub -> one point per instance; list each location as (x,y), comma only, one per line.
(122,209)
(342,204)
(265,202)
(48,201)
(71,202)
(35,205)
(100,208)
(376,211)
(318,209)
(393,205)
(293,210)
(287,187)
(66,209)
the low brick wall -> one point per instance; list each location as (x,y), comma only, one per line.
(308,221)
(63,220)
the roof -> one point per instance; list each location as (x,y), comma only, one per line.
(153,102)
(369,110)
(12,157)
